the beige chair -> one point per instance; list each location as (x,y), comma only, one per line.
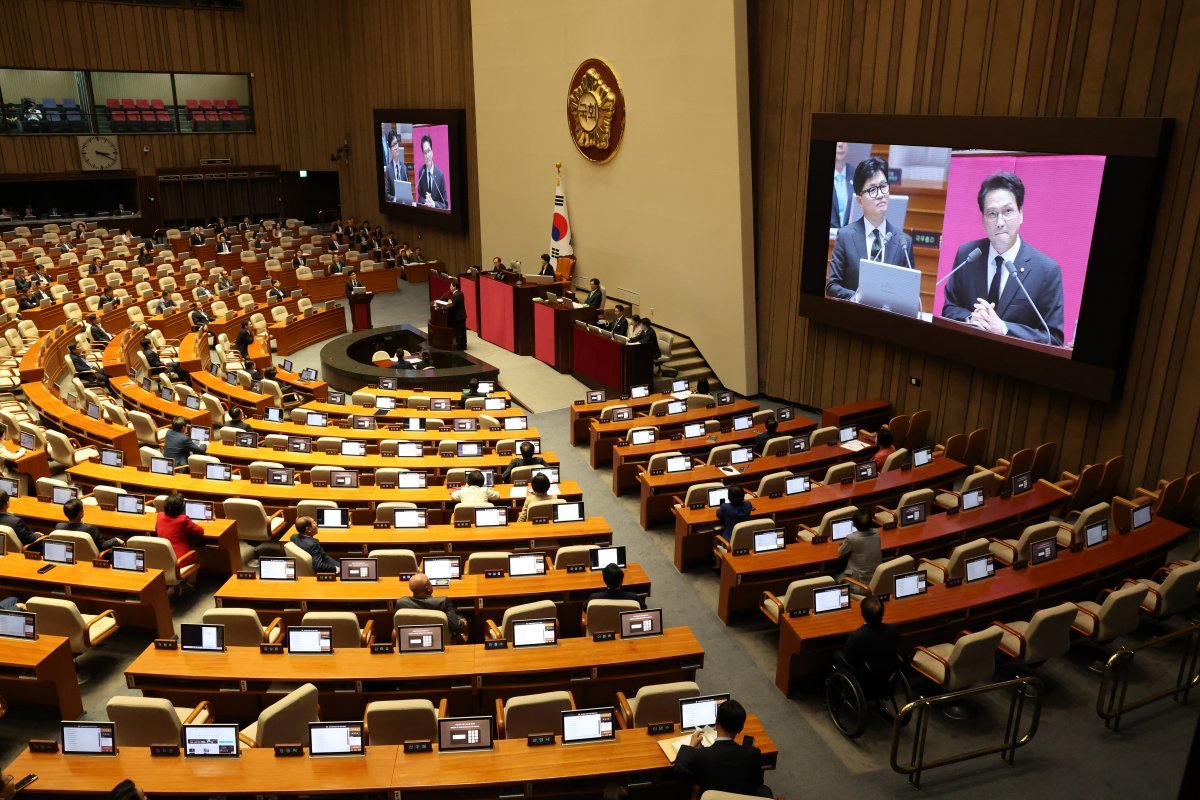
(777,446)
(1071,531)
(160,555)
(483,561)
(969,660)
(386,512)
(605,615)
(284,721)
(657,703)
(392,563)
(882,579)
(1113,614)
(1045,636)
(62,618)
(799,595)
(838,473)
(774,482)
(346,631)
(398,721)
(258,469)
(421,616)
(896,460)
(990,481)
(574,555)
(243,628)
(1007,551)
(889,517)
(698,492)
(1172,589)
(519,717)
(85,546)
(253,524)
(540,609)
(742,535)
(807,534)
(542,509)
(308,508)
(719,456)
(940,570)
(304,562)
(146,721)
(466,513)
(828,435)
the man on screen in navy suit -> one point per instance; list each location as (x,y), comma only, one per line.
(867,237)
(987,292)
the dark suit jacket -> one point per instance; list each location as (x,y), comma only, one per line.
(224,248)
(844,220)
(547,269)
(393,174)
(594,299)
(178,446)
(875,646)
(616,594)
(196,238)
(433,183)
(26,536)
(620,326)
(650,338)
(299,261)
(99,334)
(81,365)
(1041,276)
(91,530)
(457,311)
(199,318)
(322,562)
(336,268)
(431,603)
(760,441)
(725,766)
(850,246)
(350,287)
(276,294)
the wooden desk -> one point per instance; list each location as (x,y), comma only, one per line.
(695,529)
(194,359)
(869,414)
(419,272)
(139,599)
(552,322)
(506,312)
(603,436)
(220,553)
(745,577)
(239,683)
(476,597)
(583,413)
(806,643)
(603,361)
(580,771)
(41,673)
(659,493)
(488,437)
(313,327)
(333,287)
(403,412)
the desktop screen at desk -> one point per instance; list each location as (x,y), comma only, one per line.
(130,504)
(490,517)
(464,733)
(198,509)
(441,568)
(841,528)
(743,422)
(277,569)
(202,638)
(741,455)
(699,712)
(797,484)
(979,568)
(1042,551)
(359,569)
(128,559)
(310,639)
(601,557)
(210,741)
(385,403)
(909,583)
(646,436)
(420,638)
(1096,533)
(534,632)
(567,512)
(408,450)
(768,540)
(589,725)
(352,447)
(18,624)
(516,423)
(333,518)
(646,622)
(58,552)
(971,499)
(336,739)
(408,518)
(679,464)
(61,495)
(912,514)
(922,456)
(281,476)
(833,598)
(112,458)
(522,564)
(717,496)
(89,738)
(693,429)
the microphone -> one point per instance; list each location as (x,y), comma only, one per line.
(1012,271)
(974,254)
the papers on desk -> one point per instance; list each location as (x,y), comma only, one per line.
(580,305)
(684,395)
(442,303)
(854,445)
(553,490)
(671,746)
(517,491)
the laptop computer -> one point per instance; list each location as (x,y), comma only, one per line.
(889,288)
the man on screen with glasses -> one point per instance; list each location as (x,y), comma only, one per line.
(987,292)
(871,237)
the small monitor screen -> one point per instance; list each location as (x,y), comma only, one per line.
(534,632)
(693,430)
(798,444)
(129,559)
(644,622)
(785,414)
(359,423)
(551,473)
(336,739)
(333,518)
(161,466)
(595,397)
(200,434)
(10,485)
(408,449)
(309,375)
(766,541)
(700,712)
(909,583)
(93,411)
(567,512)
(589,725)
(922,456)
(198,509)
(389,383)
(343,479)
(299,444)
(440,404)
(679,386)
(523,564)
(316,419)
(490,517)
(167,393)
(841,528)
(494,404)
(58,552)
(441,568)
(643,436)
(277,569)
(287,365)
(912,514)
(741,455)
(717,496)
(972,498)
(470,449)
(833,598)
(336,398)
(355,447)
(641,390)
(1022,483)
(847,434)
(273,415)
(797,484)
(130,504)
(203,741)
(18,624)
(865,471)
(725,398)
(218,472)
(408,518)
(246,439)
(28,440)
(192,402)
(281,476)
(420,638)
(1096,533)
(359,569)
(112,458)
(470,424)
(676,407)
(202,638)
(1140,517)
(60,495)
(415,424)
(516,423)
(89,738)
(310,640)
(980,568)
(622,414)
(411,480)
(743,422)
(601,557)
(384,402)
(1042,551)
(464,733)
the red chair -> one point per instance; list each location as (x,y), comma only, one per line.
(206,104)
(112,103)
(232,104)
(128,104)
(192,105)
(164,120)
(143,104)
(157,105)
(219,105)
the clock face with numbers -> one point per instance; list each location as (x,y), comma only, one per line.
(99,152)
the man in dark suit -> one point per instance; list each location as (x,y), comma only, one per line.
(546,268)
(198,318)
(107,299)
(22,281)
(724,765)
(299,260)
(614,577)
(95,268)
(96,330)
(396,169)
(84,369)
(987,292)
(647,335)
(871,650)
(197,237)
(73,511)
(27,300)
(39,276)
(337,266)
(203,292)
(223,246)
(237,420)
(243,342)
(867,237)
(431,184)
(157,365)
(595,298)
(843,187)
(422,598)
(760,441)
(353,283)
(305,538)
(276,294)
(11,520)
(457,315)
(178,445)
(620,324)
(225,283)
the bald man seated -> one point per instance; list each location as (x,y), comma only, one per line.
(422,598)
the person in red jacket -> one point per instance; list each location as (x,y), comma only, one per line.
(176,527)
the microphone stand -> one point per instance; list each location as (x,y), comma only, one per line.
(1012,271)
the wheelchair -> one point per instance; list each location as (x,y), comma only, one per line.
(851,690)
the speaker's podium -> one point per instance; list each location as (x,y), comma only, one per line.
(441,332)
(360,310)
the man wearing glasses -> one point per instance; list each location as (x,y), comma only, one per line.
(867,237)
(987,292)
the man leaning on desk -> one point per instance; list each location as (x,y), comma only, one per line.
(724,765)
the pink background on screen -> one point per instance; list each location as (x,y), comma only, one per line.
(440,137)
(1061,195)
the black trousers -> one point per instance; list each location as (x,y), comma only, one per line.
(460,334)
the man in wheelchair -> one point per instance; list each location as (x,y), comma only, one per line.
(867,669)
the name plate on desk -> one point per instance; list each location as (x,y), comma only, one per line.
(493,573)
(166,644)
(820,539)
(462,524)
(387,486)
(257,481)
(100,563)
(541,521)
(1077,547)
(320,485)
(952,582)
(798,612)
(539,739)
(382,525)
(660,727)
(31,556)
(164,750)
(326,577)
(741,551)
(774,495)
(386,648)
(952,510)
(847,481)
(1020,564)
(696,506)
(270,649)
(244,575)
(452,485)
(656,472)
(289,750)
(43,746)
(604,636)
(495,644)
(422,746)
(576,568)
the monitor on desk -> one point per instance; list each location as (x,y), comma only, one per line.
(580,725)
(490,517)
(693,430)
(676,407)
(1140,516)
(1043,550)
(308,375)
(359,569)
(595,397)
(487,387)
(343,479)
(384,402)
(725,398)
(310,640)
(271,568)
(567,512)
(643,436)
(210,741)
(980,567)
(769,540)
(336,398)
(408,518)
(356,447)
(413,424)
(93,410)
(408,450)
(273,415)
(128,559)
(525,564)
(299,444)
(281,476)
(601,557)
(551,474)
(411,480)
(198,509)
(333,518)
(389,384)
(797,484)
(464,733)
(743,422)
(847,433)
(167,393)
(442,568)
(287,365)
(907,584)
(27,440)
(718,495)
(785,414)
(679,386)
(192,403)
(360,422)
(218,472)
(1022,483)
(516,423)
(18,624)
(131,504)
(535,443)
(622,414)
(200,434)
(201,638)
(89,738)
(316,419)
(231,378)
(841,528)
(440,404)
(468,424)
(912,514)
(55,552)
(61,495)
(535,632)
(420,638)
(922,456)
(336,739)
(642,622)
(639,391)
(161,466)
(742,455)
(866,471)
(699,712)
(470,449)
(10,486)
(679,464)
(971,499)
(112,458)
(1096,533)
(494,404)
(832,598)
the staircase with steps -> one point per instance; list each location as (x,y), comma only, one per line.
(688,362)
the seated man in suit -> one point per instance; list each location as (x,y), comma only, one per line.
(27,301)
(647,335)
(197,237)
(96,330)
(595,298)
(333,243)
(157,365)
(871,237)
(198,318)
(73,511)
(203,292)
(299,260)
(178,445)
(417,257)
(422,598)
(474,493)
(96,267)
(353,283)
(724,765)
(107,299)
(526,459)
(620,324)
(614,578)
(305,538)
(760,441)
(224,248)
(1016,288)
(871,650)
(21,279)
(276,294)
(39,276)
(84,370)
(11,520)
(338,266)
(237,419)
(165,302)
(225,283)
